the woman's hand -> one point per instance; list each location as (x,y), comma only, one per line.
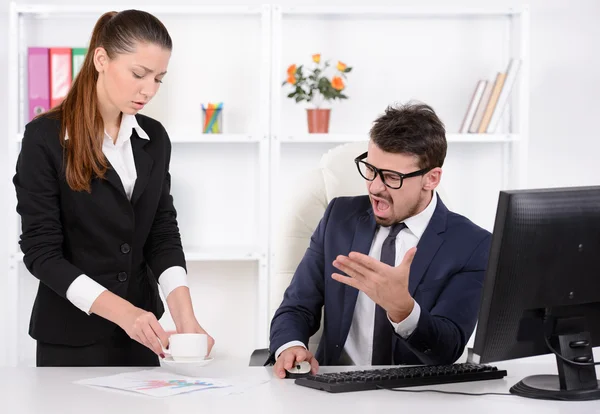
(139,324)
(182,311)
(143,327)
(192,326)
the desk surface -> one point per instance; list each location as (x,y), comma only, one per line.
(51,390)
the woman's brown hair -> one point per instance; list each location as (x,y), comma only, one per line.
(80,117)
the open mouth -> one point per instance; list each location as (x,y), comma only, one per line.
(381,207)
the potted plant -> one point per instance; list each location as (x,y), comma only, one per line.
(315,87)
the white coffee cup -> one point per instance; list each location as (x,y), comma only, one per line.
(188,346)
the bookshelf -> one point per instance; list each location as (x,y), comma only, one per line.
(431,54)
(265,140)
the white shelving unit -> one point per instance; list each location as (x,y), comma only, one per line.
(279,144)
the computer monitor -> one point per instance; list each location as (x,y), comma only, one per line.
(541,290)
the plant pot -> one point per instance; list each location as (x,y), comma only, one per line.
(318,121)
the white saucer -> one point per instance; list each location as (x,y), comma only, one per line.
(187,368)
(196,362)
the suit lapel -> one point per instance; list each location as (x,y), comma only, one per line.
(363,237)
(428,246)
(143,165)
(113,178)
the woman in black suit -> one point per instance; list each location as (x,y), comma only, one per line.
(99,229)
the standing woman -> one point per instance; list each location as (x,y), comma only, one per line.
(99,228)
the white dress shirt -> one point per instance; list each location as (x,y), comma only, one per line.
(84,290)
(358,349)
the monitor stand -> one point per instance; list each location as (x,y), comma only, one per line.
(573,382)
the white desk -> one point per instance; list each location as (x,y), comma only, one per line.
(51,390)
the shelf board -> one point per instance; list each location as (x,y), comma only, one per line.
(451,138)
(99,8)
(401,11)
(318,138)
(482,138)
(213,138)
(187,138)
(221,254)
(325,138)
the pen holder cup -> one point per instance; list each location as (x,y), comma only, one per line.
(212,121)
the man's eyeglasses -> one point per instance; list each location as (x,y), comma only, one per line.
(392,179)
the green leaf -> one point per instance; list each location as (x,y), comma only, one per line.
(291,95)
(299,99)
(324,83)
(347,70)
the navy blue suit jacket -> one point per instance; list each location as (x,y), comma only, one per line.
(446,279)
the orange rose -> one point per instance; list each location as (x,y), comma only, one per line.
(291,80)
(291,70)
(337,83)
(341,66)
(316,57)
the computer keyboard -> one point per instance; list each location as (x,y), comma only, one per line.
(400,377)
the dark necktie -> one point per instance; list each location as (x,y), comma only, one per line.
(383,330)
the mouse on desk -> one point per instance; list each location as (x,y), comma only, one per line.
(298,370)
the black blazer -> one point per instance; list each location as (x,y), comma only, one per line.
(123,245)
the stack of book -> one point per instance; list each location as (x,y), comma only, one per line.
(489,100)
(50,74)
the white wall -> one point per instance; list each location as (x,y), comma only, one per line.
(565,39)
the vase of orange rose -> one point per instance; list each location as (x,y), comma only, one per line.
(314,86)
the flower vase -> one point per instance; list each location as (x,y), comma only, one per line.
(318,120)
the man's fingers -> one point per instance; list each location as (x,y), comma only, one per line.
(279,370)
(368,262)
(345,280)
(300,356)
(352,268)
(289,359)
(409,257)
(314,366)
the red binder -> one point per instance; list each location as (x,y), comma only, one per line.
(60,74)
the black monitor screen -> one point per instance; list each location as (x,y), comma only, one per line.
(543,274)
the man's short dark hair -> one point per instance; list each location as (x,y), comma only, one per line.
(412,128)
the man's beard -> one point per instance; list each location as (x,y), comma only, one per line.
(393,219)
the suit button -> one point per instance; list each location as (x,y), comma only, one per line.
(122,276)
(125,248)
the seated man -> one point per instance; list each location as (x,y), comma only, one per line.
(398,275)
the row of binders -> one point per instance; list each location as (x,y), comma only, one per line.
(50,74)
(489,100)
